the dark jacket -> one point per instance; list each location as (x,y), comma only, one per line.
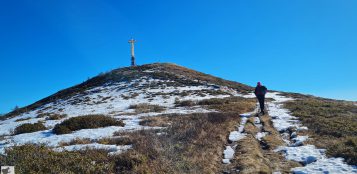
(260,90)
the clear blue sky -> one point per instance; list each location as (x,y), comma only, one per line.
(306,46)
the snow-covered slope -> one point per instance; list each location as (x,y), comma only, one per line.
(113,99)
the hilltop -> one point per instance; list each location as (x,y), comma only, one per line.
(179,75)
(165,118)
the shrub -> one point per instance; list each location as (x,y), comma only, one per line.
(22,119)
(184,103)
(41,159)
(56,117)
(28,128)
(77,141)
(116,141)
(346,149)
(220,101)
(41,115)
(145,108)
(85,122)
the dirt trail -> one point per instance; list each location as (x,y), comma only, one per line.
(254,151)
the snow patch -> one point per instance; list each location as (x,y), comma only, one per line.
(260,135)
(237,135)
(228,154)
(112,149)
(326,165)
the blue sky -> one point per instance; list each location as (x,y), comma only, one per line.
(299,45)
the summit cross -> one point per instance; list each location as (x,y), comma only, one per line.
(132,41)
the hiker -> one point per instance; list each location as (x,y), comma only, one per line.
(260,92)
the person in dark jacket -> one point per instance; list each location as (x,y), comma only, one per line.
(260,92)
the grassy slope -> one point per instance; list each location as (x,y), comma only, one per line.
(332,124)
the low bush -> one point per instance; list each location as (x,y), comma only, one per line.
(220,101)
(145,108)
(116,140)
(346,149)
(28,128)
(56,117)
(77,141)
(184,103)
(42,160)
(22,119)
(85,122)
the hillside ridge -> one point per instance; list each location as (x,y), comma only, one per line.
(162,71)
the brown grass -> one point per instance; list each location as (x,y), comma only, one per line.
(229,104)
(184,103)
(250,127)
(329,121)
(76,141)
(191,144)
(253,156)
(273,139)
(250,158)
(145,108)
(160,121)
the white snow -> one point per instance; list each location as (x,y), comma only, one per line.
(260,135)
(299,140)
(326,165)
(305,154)
(228,154)
(112,149)
(237,135)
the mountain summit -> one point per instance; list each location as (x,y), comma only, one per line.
(158,75)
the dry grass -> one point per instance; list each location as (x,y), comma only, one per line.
(116,140)
(76,141)
(273,139)
(329,121)
(160,121)
(229,104)
(249,157)
(250,128)
(253,156)
(191,144)
(145,108)
(184,103)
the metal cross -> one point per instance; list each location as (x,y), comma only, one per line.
(132,41)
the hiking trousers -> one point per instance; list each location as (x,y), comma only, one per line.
(261,99)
